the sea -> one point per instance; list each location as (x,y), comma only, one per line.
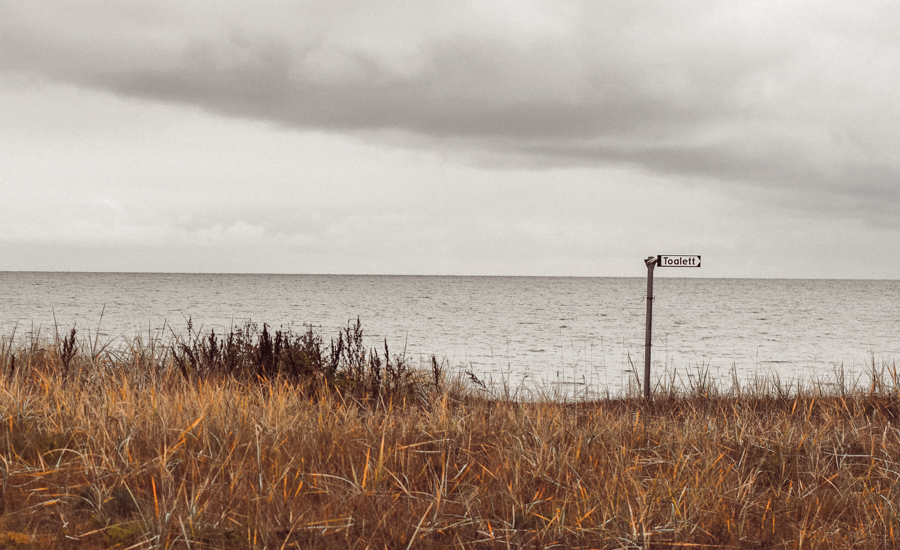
(563,336)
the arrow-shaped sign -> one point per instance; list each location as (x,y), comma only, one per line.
(677,261)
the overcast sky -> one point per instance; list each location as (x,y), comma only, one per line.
(450,137)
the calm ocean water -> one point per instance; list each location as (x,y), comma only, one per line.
(545,332)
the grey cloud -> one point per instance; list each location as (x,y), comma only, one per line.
(451,98)
(461,86)
(732,94)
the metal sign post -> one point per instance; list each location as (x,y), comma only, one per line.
(651,262)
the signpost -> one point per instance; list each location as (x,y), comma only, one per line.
(651,262)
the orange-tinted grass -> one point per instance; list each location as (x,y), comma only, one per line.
(112,456)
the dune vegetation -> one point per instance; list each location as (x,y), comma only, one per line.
(255,439)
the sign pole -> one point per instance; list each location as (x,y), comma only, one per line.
(651,263)
(662,260)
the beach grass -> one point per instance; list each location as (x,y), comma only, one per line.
(148,445)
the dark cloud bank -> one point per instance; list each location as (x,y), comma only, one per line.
(720,95)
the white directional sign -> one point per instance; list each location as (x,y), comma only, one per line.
(677,261)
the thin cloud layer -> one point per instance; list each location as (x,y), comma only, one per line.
(788,96)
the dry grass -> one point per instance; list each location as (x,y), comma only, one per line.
(117,448)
